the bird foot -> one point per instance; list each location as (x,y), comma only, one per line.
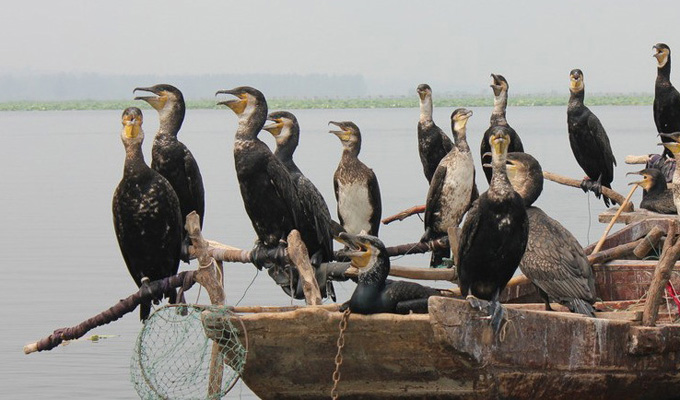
(497,316)
(475,302)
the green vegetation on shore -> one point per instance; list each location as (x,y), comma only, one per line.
(328,103)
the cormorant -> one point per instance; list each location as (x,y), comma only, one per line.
(374,292)
(656,197)
(267,189)
(433,144)
(666,97)
(494,236)
(146,214)
(500,103)
(316,218)
(356,187)
(171,158)
(589,141)
(451,189)
(553,260)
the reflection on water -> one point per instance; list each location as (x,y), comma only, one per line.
(61,262)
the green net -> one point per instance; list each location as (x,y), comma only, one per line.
(177,348)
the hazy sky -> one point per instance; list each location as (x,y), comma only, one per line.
(452,45)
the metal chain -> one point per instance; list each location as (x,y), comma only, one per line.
(338,356)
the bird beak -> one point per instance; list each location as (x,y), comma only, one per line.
(238,105)
(157,102)
(342,134)
(275,128)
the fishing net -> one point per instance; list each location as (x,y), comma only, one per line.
(174,351)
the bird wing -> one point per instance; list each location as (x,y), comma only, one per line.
(554,260)
(315,206)
(374,198)
(285,187)
(432,206)
(194,183)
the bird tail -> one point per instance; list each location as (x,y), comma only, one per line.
(580,306)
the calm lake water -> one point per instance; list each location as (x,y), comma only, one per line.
(60,258)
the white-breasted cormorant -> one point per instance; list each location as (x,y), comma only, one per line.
(553,260)
(494,235)
(656,196)
(433,144)
(267,188)
(356,187)
(171,158)
(146,214)
(500,103)
(666,97)
(316,218)
(374,292)
(588,140)
(452,187)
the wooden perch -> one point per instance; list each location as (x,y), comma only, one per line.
(611,194)
(630,159)
(206,274)
(297,251)
(400,216)
(669,255)
(152,290)
(613,221)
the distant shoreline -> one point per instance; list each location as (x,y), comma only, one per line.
(328,103)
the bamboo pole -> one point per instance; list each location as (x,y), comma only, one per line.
(614,196)
(669,255)
(613,221)
(402,215)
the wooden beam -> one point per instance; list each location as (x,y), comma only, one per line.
(563,180)
(669,255)
(297,251)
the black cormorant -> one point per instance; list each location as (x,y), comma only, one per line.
(356,187)
(374,292)
(500,103)
(146,214)
(316,218)
(452,187)
(433,144)
(494,235)
(656,197)
(171,158)
(666,97)
(553,260)
(267,189)
(589,141)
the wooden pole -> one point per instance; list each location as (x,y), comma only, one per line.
(613,221)
(615,252)
(400,216)
(650,241)
(207,276)
(669,255)
(297,251)
(614,196)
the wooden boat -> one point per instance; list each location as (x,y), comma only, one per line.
(451,352)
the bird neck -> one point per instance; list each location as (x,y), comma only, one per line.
(250,122)
(350,151)
(426,109)
(461,139)
(134,158)
(376,276)
(500,184)
(663,74)
(171,120)
(285,155)
(500,103)
(576,98)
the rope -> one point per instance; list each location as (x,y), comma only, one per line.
(338,356)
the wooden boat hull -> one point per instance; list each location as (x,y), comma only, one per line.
(451,353)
